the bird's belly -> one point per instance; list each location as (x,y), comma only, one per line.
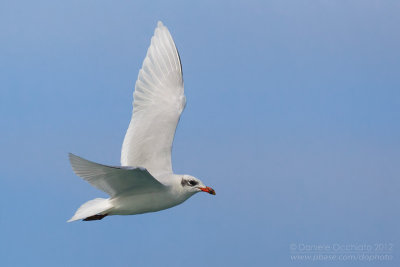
(142,203)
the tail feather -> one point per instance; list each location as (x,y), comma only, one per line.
(98,206)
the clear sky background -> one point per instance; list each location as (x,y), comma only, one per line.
(292,116)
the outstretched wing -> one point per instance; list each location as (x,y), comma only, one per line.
(114,180)
(158,103)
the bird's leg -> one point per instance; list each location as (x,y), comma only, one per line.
(95,217)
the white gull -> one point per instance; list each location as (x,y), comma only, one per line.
(145,181)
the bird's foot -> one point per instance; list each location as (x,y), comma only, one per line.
(95,217)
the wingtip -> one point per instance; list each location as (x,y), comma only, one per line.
(71,157)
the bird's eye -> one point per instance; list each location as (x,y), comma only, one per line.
(192,182)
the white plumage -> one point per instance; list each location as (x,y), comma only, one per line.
(145,181)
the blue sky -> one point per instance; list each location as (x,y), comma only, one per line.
(292,116)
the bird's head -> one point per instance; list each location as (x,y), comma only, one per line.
(194,185)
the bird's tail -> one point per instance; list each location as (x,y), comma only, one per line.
(95,209)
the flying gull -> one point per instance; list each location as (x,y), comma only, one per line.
(145,181)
